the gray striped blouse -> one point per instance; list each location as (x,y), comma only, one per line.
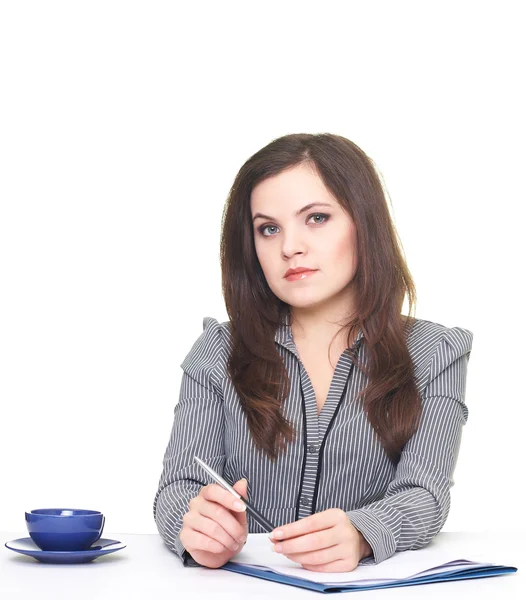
(336,460)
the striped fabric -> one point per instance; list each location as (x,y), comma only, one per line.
(336,460)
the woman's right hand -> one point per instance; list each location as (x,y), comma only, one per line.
(214,530)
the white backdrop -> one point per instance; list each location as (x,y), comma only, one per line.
(122,127)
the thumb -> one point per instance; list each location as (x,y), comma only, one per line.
(241,487)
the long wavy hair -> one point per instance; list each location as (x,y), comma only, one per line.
(390,399)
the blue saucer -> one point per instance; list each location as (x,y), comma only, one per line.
(28,547)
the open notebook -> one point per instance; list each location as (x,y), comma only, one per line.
(444,559)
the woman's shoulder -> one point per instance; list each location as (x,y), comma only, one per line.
(430,334)
(208,352)
(433,347)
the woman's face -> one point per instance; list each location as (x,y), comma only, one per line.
(321,237)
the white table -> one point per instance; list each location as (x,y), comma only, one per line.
(147,569)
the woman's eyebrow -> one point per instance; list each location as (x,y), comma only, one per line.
(298,213)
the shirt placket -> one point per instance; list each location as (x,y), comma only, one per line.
(311,433)
(316,429)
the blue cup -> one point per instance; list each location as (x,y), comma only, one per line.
(64,529)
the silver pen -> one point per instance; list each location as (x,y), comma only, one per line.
(265,523)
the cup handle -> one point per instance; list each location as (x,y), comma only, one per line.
(102,528)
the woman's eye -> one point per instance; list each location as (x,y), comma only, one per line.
(324,217)
(262,229)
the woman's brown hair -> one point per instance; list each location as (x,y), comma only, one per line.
(390,400)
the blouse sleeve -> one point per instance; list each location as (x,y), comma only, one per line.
(197,430)
(416,503)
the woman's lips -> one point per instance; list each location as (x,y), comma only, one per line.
(298,276)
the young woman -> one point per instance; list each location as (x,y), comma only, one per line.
(335,415)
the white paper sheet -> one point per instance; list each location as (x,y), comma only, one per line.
(436,556)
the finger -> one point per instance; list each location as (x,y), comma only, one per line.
(310,542)
(241,518)
(195,540)
(216,493)
(212,529)
(241,487)
(318,557)
(315,522)
(223,517)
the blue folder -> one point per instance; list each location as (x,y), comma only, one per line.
(467,573)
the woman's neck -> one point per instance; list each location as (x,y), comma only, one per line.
(320,332)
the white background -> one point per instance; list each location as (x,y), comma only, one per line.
(122,127)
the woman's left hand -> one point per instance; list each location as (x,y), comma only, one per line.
(326,541)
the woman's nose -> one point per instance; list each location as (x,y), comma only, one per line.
(292,244)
